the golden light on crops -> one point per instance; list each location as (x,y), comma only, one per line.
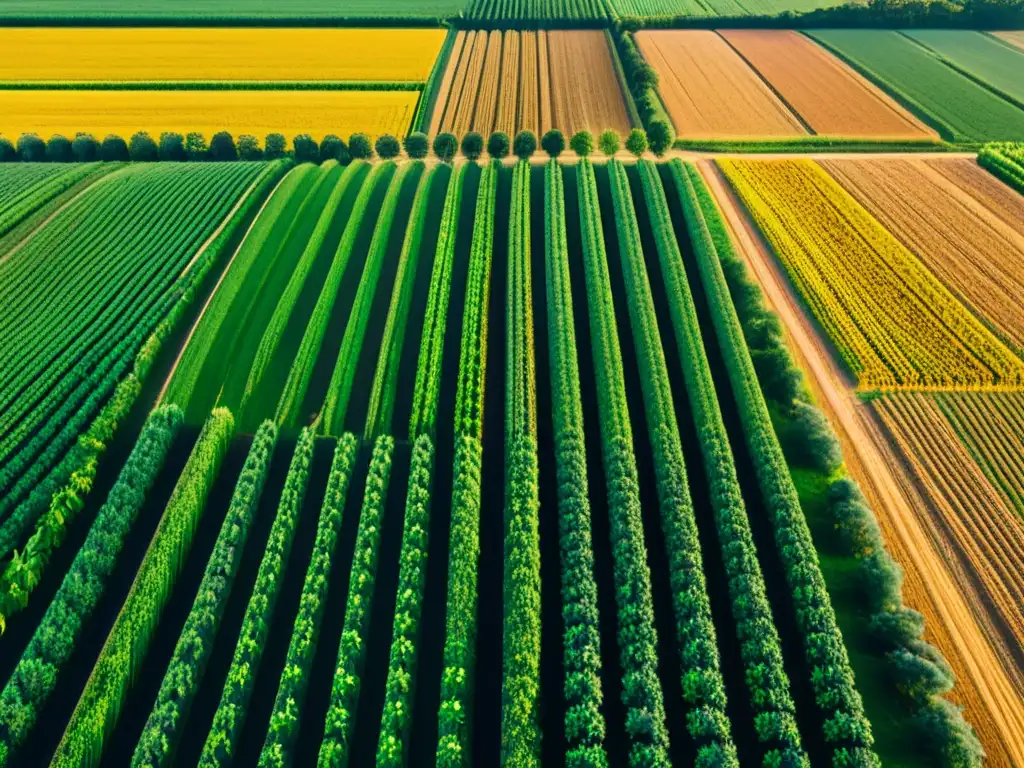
(161,54)
(254,112)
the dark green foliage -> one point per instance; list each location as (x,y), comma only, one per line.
(185,672)
(636,142)
(172,148)
(196,147)
(472,145)
(880,578)
(305,148)
(445,146)
(659,137)
(58,150)
(274,146)
(920,671)
(359,146)
(582,143)
(947,736)
(333,148)
(809,440)
(31,148)
(222,147)
(897,628)
(608,142)
(387,147)
(36,674)
(525,145)
(498,145)
(553,142)
(416,145)
(249,147)
(142,148)
(854,522)
(8,154)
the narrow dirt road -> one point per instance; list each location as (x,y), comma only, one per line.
(992,695)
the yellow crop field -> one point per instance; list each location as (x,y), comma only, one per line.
(162,54)
(254,112)
(893,322)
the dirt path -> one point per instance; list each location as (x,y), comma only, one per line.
(994,702)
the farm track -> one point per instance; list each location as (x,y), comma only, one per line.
(992,697)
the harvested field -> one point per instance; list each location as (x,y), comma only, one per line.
(979,55)
(1013,38)
(977,255)
(710,92)
(447,82)
(514,80)
(830,97)
(981,532)
(994,196)
(991,427)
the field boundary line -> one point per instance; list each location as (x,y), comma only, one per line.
(220,279)
(994,704)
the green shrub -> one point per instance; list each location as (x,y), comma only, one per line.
(553,142)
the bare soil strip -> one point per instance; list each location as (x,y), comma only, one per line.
(993,698)
(441,103)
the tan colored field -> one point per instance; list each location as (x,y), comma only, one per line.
(978,256)
(528,80)
(447,84)
(710,92)
(994,196)
(1013,38)
(830,97)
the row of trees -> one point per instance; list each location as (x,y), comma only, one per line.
(174,147)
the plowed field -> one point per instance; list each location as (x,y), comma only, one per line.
(978,256)
(830,97)
(511,81)
(710,92)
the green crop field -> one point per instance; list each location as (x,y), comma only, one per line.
(959,107)
(982,56)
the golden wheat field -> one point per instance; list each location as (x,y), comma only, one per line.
(254,112)
(166,54)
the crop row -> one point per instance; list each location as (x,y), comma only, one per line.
(454,728)
(25,188)
(133,631)
(1005,160)
(537,10)
(222,741)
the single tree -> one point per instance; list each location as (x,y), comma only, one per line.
(31,148)
(306,149)
(498,145)
(659,137)
(58,149)
(222,147)
(275,146)
(249,147)
(553,142)
(387,147)
(8,154)
(333,148)
(472,145)
(172,148)
(608,143)
(416,145)
(524,145)
(195,147)
(113,149)
(636,142)
(359,146)
(142,148)
(582,143)
(445,146)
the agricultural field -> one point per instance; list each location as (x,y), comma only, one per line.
(851,273)
(978,55)
(710,91)
(537,10)
(261,10)
(829,97)
(1013,38)
(940,211)
(960,108)
(512,81)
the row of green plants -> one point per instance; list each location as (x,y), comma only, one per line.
(642,82)
(520,700)
(702,684)
(221,743)
(845,727)
(119,661)
(16,204)
(760,646)
(339,391)
(457,684)
(584,722)
(385,381)
(335,750)
(435,319)
(642,694)
(187,667)
(400,687)
(48,652)
(920,672)
(1004,160)
(279,745)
